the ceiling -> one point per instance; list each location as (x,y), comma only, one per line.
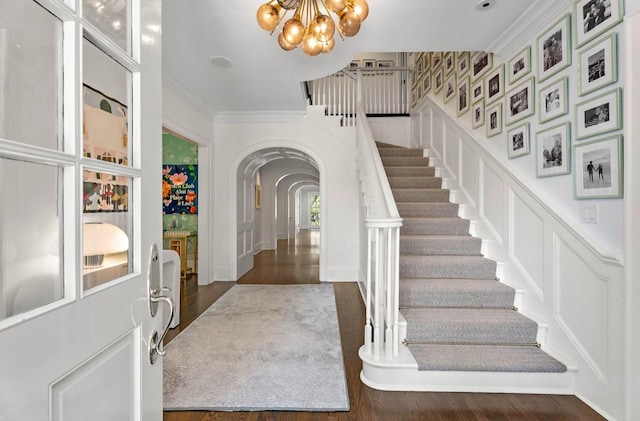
(262,77)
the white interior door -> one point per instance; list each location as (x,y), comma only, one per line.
(80,101)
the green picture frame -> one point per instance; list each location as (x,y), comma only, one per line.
(599,169)
(518,141)
(463,102)
(494,85)
(493,119)
(553,151)
(554,48)
(598,115)
(597,65)
(553,100)
(520,102)
(520,65)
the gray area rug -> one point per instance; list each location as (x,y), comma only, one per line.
(260,347)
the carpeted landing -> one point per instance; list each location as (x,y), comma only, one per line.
(260,347)
(459,316)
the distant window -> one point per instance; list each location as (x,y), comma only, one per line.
(315,210)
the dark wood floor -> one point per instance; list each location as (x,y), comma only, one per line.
(297,262)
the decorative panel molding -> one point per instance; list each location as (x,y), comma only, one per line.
(437,141)
(469,174)
(451,156)
(526,242)
(492,200)
(581,305)
(102,389)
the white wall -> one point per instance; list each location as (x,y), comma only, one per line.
(333,149)
(393,130)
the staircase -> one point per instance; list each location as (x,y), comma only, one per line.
(460,318)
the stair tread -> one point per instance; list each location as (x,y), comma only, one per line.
(503,358)
(463,293)
(469,325)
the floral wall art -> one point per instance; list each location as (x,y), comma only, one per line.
(179,184)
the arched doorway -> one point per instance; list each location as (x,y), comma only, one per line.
(266,188)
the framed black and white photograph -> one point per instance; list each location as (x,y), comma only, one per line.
(477,91)
(599,115)
(518,141)
(552,151)
(519,65)
(464,102)
(438,80)
(426,83)
(369,64)
(354,63)
(415,92)
(494,120)
(554,49)
(598,65)
(449,88)
(386,63)
(494,84)
(481,63)
(553,100)
(594,17)
(462,63)
(477,114)
(598,168)
(436,60)
(426,61)
(520,102)
(449,63)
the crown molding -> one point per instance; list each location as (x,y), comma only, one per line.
(172,83)
(530,24)
(259,117)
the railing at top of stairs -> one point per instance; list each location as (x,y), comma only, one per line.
(382,91)
(382,224)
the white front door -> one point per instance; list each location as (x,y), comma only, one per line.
(80,129)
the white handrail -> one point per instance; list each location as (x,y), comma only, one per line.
(382,224)
(381,90)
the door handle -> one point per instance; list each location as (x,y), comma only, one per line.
(155,344)
(155,298)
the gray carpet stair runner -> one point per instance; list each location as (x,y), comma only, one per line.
(459,316)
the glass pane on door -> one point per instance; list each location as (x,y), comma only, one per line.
(105,125)
(112,18)
(30,236)
(107,233)
(30,74)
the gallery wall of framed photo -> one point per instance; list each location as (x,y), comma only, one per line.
(551,109)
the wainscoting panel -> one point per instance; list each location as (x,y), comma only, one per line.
(526,241)
(469,183)
(104,386)
(425,118)
(565,282)
(492,200)
(580,290)
(451,158)
(437,143)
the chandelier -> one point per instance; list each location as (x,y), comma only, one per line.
(312,24)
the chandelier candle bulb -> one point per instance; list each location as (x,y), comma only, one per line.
(310,26)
